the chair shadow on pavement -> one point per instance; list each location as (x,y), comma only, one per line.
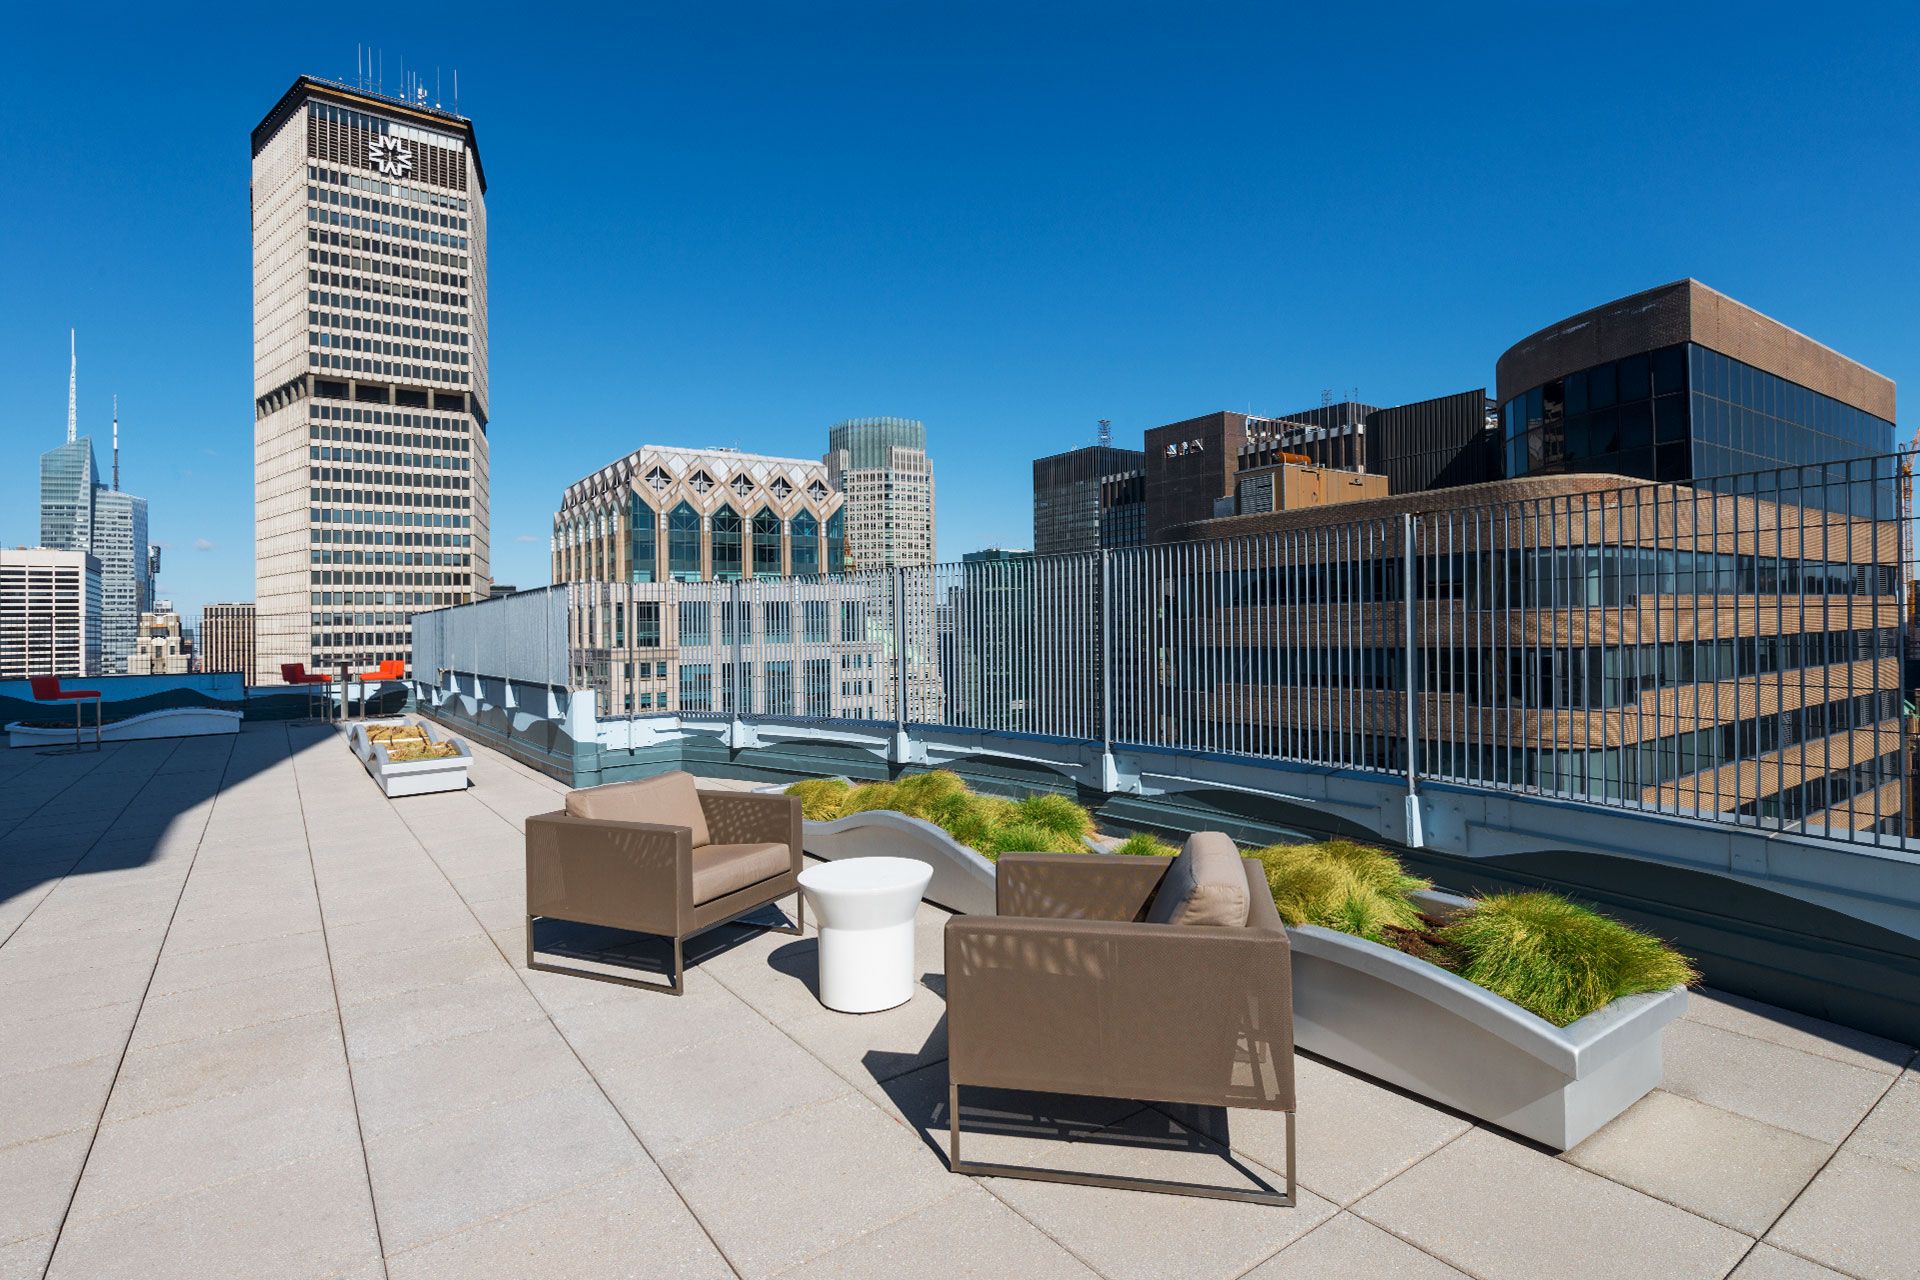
(1051,1129)
(626,953)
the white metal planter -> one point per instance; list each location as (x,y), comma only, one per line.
(962,879)
(412,777)
(167,722)
(1433,1033)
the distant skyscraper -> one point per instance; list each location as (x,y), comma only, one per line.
(370,373)
(126,588)
(49,613)
(881,464)
(78,513)
(161,647)
(226,638)
(68,478)
(1071,497)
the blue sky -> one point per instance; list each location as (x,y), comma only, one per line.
(733,225)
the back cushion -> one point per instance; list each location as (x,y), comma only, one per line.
(668,800)
(1205,885)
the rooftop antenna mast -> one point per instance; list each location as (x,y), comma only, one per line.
(1106,431)
(73,372)
(116,444)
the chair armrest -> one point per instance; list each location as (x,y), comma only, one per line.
(1169,1013)
(747,817)
(1076,886)
(624,875)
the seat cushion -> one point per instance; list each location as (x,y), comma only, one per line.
(1205,885)
(720,869)
(669,800)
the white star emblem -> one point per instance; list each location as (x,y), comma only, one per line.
(390,156)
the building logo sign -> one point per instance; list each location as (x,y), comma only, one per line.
(390,156)
(1182,448)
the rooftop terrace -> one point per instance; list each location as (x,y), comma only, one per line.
(258,1020)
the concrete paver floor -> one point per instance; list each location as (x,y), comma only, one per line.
(257,1020)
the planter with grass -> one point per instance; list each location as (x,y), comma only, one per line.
(1523,1010)
(362,737)
(934,818)
(409,760)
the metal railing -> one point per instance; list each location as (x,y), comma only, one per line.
(1732,650)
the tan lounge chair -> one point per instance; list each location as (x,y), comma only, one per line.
(1149,979)
(661,857)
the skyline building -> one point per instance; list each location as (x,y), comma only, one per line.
(79,513)
(882,467)
(227,638)
(370,373)
(49,613)
(1077,496)
(120,541)
(762,531)
(881,464)
(162,647)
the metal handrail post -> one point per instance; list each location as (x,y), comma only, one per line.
(1409,529)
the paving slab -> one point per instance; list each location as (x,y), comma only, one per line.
(305,1220)
(1134,1235)
(1798,1031)
(1352,1133)
(168,1153)
(1501,1210)
(1891,1131)
(210,1066)
(716,1086)
(623,1225)
(36,1181)
(1348,1248)
(818,1178)
(1739,1172)
(967,1236)
(1769,1263)
(1788,1088)
(1858,1217)
(475,1164)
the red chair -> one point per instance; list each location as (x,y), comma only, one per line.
(297,673)
(389,669)
(47,689)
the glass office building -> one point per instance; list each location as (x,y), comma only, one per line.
(1681,413)
(1691,410)
(68,478)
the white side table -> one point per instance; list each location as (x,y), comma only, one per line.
(865,909)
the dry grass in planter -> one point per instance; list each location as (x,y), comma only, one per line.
(408,752)
(989,825)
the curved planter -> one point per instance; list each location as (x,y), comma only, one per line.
(1435,1034)
(962,879)
(168,722)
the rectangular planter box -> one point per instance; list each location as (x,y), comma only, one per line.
(412,777)
(1435,1034)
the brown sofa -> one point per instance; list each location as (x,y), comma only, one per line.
(1078,987)
(660,856)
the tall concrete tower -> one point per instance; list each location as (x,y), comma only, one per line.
(370,373)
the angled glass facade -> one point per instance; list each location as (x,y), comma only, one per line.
(1684,414)
(68,478)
